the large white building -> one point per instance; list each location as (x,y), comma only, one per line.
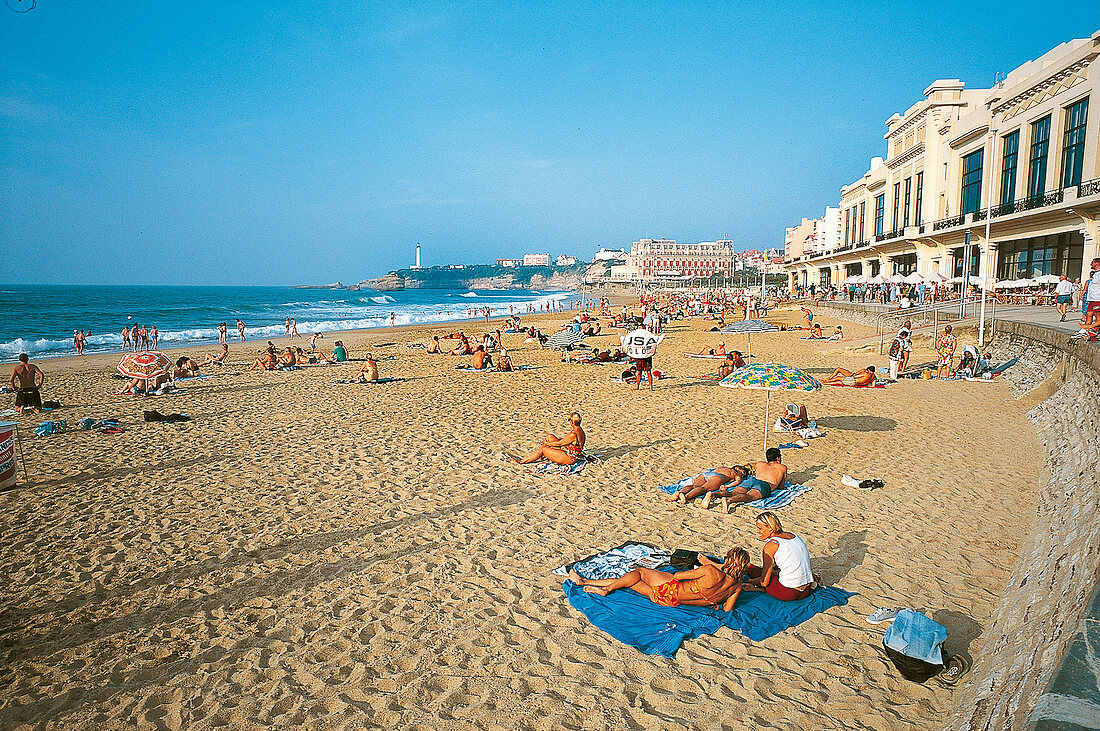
(1022,157)
(654,259)
(536,260)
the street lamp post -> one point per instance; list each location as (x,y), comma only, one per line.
(984,269)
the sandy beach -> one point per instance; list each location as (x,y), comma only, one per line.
(311,554)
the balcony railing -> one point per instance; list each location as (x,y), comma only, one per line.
(1089,187)
(895,234)
(950,222)
(1027,204)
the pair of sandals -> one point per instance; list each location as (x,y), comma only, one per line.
(862,484)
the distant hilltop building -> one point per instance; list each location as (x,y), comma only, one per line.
(536,260)
(566,261)
(509,262)
(1019,160)
(617,256)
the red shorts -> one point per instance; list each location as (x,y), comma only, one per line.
(1093,306)
(784,593)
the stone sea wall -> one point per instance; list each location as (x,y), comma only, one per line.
(1046,601)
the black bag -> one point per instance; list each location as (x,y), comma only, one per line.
(682,559)
(912,668)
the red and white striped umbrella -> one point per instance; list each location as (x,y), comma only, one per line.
(147,364)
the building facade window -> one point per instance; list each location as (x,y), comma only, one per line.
(897,206)
(1054,254)
(957,257)
(905,264)
(862,213)
(1008,167)
(918,207)
(1037,163)
(1073,143)
(972,182)
(880,211)
(908,201)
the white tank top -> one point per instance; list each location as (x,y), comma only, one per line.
(792,558)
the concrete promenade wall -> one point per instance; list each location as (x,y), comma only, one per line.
(1046,600)
(1045,607)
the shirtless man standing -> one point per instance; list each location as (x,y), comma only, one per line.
(240,329)
(26,380)
(771,475)
(126,338)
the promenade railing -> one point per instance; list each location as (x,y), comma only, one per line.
(958,308)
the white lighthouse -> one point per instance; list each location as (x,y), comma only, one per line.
(417,264)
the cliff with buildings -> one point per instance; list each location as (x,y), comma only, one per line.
(484,276)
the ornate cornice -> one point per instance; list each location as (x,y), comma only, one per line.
(1072,73)
(903,157)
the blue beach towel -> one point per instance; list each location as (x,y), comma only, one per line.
(778,499)
(656,630)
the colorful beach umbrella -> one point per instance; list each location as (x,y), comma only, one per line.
(770,377)
(146,364)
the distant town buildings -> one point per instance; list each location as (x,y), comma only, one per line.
(509,262)
(565,261)
(536,260)
(1020,158)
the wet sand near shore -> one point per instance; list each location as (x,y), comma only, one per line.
(312,554)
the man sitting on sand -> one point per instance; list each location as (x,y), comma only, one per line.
(708,481)
(860,379)
(339,352)
(433,347)
(770,477)
(815,332)
(563,451)
(369,372)
(482,360)
(504,362)
(838,334)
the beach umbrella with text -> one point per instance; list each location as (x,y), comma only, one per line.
(770,377)
(146,364)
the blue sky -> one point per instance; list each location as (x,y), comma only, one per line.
(283,143)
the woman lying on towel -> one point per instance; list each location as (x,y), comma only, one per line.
(860,379)
(785,572)
(713,584)
(708,481)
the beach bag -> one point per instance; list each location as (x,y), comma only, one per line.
(895,350)
(682,559)
(914,643)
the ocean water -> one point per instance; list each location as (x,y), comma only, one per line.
(39,320)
